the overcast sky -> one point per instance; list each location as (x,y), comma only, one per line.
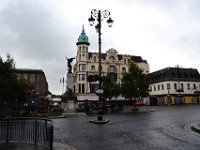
(40,34)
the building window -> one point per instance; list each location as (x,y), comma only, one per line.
(80,48)
(32,77)
(168,86)
(83,88)
(158,87)
(125,61)
(81,67)
(36,77)
(188,86)
(25,76)
(154,88)
(150,88)
(163,87)
(175,86)
(79,88)
(95,59)
(83,48)
(112,69)
(182,86)
(81,77)
(123,69)
(93,68)
(194,86)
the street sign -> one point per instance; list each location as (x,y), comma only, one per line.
(99,91)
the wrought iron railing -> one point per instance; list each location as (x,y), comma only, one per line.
(37,131)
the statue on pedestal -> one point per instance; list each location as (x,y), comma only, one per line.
(69,61)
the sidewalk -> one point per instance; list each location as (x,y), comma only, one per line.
(27,146)
(61,146)
(21,146)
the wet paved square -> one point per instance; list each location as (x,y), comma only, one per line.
(162,129)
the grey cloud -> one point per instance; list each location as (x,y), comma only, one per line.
(32,33)
(36,30)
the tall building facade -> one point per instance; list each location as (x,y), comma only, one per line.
(112,64)
(174,85)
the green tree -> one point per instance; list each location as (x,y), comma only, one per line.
(11,88)
(134,83)
(110,89)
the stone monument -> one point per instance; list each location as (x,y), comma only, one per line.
(69,88)
(70,74)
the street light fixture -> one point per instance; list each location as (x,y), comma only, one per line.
(98,15)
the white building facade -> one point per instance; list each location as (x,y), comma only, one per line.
(87,63)
(174,85)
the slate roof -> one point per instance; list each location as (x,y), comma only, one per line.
(174,74)
(137,59)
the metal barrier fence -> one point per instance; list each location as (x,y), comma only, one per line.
(29,130)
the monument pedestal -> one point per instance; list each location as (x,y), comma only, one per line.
(70,81)
(70,104)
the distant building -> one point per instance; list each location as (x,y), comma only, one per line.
(36,78)
(174,85)
(87,63)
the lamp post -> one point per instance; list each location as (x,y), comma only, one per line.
(99,15)
(62,80)
(180,89)
(168,96)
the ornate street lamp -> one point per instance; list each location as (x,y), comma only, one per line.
(98,15)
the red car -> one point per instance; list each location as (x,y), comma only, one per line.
(139,104)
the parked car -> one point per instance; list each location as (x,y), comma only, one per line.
(139,104)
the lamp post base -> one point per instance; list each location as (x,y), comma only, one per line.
(99,121)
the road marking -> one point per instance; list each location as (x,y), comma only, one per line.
(64,146)
(188,128)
